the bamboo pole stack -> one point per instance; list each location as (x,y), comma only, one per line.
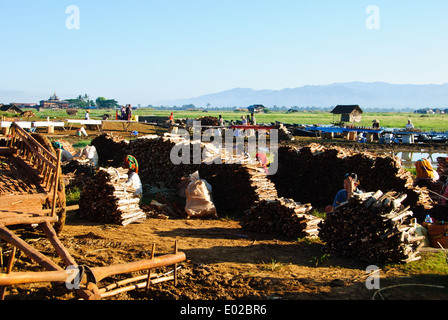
(375,227)
(106,199)
(283,217)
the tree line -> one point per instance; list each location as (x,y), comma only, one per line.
(84,101)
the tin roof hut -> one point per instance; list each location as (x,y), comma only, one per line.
(349,113)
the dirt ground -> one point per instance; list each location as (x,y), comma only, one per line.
(223,263)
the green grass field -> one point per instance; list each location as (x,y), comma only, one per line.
(434,122)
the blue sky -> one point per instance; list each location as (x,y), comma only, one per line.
(146,51)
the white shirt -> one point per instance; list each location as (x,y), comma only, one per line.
(135,183)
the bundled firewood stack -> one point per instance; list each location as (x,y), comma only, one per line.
(209,121)
(323,170)
(442,167)
(236,187)
(106,199)
(67,146)
(373,227)
(283,217)
(110,149)
(154,159)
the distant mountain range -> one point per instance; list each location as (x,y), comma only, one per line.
(364,94)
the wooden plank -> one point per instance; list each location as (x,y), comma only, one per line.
(23,203)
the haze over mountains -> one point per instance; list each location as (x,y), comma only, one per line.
(379,95)
(365,94)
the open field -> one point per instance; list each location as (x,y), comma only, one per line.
(425,122)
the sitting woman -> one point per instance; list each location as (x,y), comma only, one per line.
(134,181)
(426,175)
(351,184)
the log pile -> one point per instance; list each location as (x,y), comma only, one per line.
(154,159)
(105,199)
(283,217)
(209,121)
(110,149)
(236,187)
(323,170)
(373,227)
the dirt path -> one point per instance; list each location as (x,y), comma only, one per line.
(223,263)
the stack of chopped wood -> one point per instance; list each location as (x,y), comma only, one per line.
(236,187)
(110,149)
(154,159)
(67,146)
(315,174)
(442,167)
(373,227)
(209,121)
(106,199)
(283,217)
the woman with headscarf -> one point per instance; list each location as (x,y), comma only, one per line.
(134,181)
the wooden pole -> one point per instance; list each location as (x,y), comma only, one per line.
(56,182)
(11,238)
(99,272)
(8,271)
(57,244)
(162,261)
(149,271)
(176,249)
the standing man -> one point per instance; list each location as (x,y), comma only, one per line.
(410,127)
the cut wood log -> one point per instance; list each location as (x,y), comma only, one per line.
(373,233)
(283,217)
(106,199)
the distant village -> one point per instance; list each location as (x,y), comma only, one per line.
(53,102)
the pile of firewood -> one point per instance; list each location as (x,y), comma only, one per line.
(110,149)
(154,159)
(373,227)
(442,167)
(236,187)
(106,199)
(283,217)
(209,121)
(315,174)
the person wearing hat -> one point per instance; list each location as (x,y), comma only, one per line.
(65,155)
(351,184)
(133,181)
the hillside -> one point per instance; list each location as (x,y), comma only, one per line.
(367,95)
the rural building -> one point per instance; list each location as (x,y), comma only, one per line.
(349,113)
(25,105)
(54,102)
(256,108)
(10,108)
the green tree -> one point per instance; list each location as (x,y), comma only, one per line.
(103,103)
